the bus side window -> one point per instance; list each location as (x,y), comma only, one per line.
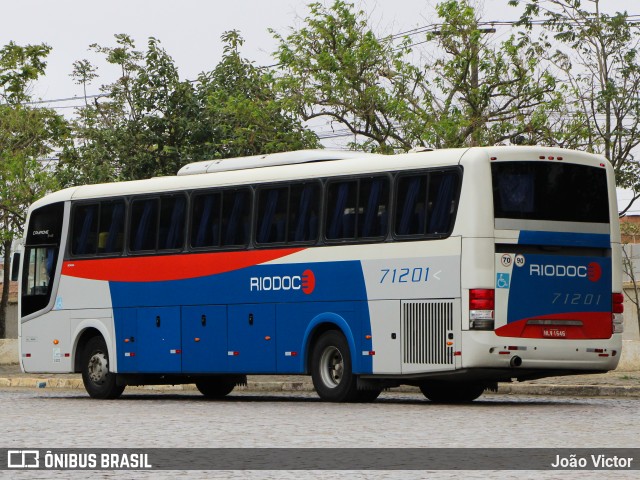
(304,204)
(372,207)
(411,211)
(341,210)
(442,189)
(205,226)
(172,217)
(144,221)
(111,236)
(85,229)
(236,216)
(272,215)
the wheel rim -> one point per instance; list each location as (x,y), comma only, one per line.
(98,368)
(331,367)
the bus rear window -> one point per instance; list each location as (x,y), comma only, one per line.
(560,192)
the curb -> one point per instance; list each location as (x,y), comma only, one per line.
(253,386)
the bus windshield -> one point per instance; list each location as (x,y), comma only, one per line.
(562,192)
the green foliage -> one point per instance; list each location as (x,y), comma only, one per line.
(470,94)
(597,54)
(26,135)
(139,128)
(335,66)
(19,66)
(151,123)
(240,113)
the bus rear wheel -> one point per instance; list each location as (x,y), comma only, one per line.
(98,381)
(331,371)
(449,392)
(216,387)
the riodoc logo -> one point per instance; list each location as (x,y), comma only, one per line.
(308,281)
(593,271)
(305,282)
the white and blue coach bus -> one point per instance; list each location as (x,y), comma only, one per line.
(450,270)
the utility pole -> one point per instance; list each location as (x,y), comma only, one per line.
(476,119)
(474,82)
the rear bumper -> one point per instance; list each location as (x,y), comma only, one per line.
(487,350)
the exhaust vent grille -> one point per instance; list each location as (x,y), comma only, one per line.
(426,326)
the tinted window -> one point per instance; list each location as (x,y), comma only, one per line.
(144,222)
(550,191)
(236,217)
(357,208)
(304,212)
(272,215)
(205,227)
(85,229)
(288,213)
(111,231)
(426,203)
(98,228)
(172,221)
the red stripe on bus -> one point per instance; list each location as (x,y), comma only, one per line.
(169,267)
(594,325)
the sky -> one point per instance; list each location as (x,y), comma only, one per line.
(190,31)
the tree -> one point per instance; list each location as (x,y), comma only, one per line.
(471,94)
(140,125)
(240,113)
(598,56)
(151,123)
(485,94)
(26,135)
(336,67)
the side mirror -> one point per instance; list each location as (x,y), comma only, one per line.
(15,267)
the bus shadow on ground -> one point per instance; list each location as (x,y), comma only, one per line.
(489,401)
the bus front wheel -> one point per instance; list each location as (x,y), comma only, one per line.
(331,369)
(449,392)
(98,380)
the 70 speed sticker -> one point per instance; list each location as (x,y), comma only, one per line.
(507,259)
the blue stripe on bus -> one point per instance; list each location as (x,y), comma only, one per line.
(564,239)
(244,321)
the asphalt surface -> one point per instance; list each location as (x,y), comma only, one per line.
(612,384)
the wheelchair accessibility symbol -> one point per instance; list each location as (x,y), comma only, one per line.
(502,280)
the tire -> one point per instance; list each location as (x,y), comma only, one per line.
(216,387)
(367,396)
(98,381)
(331,370)
(448,392)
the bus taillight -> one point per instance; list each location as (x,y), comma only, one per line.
(481,308)
(617,309)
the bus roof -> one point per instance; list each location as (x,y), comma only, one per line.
(270,160)
(305,164)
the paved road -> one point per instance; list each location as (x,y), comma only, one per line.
(48,418)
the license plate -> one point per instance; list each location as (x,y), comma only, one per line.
(554,333)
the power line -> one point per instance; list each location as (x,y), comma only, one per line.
(433,28)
